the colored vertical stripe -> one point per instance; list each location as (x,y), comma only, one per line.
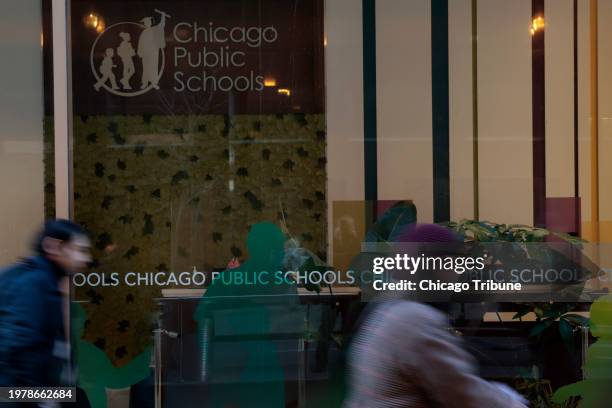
(594,121)
(475,107)
(538,116)
(440,109)
(575,36)
(369,105)
(577,201)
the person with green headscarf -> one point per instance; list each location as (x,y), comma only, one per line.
(239,319)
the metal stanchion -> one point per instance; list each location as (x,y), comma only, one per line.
(157,359)
(584,348)
(205,347)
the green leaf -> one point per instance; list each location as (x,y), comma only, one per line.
(392,223)
(539,233)
(538,312)
(148,227)
(540,327)
(577,319)
(553,313)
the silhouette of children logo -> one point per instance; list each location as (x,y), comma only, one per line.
(150,52)
(106,69)
(126,52)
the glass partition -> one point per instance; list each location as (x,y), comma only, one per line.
(241,165)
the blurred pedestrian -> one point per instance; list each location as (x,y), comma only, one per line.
(406,355)
(33,343)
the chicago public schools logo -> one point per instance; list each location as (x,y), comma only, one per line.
(113,55)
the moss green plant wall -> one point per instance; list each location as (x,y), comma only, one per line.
(173,192)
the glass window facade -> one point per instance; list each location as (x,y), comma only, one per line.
(243,169)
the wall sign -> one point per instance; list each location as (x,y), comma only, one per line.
(198,57)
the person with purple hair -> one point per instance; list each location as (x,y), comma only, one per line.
(428,233)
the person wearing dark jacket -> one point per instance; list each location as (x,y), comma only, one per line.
(33,348)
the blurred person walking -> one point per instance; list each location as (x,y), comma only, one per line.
(33,343)
(405,355)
